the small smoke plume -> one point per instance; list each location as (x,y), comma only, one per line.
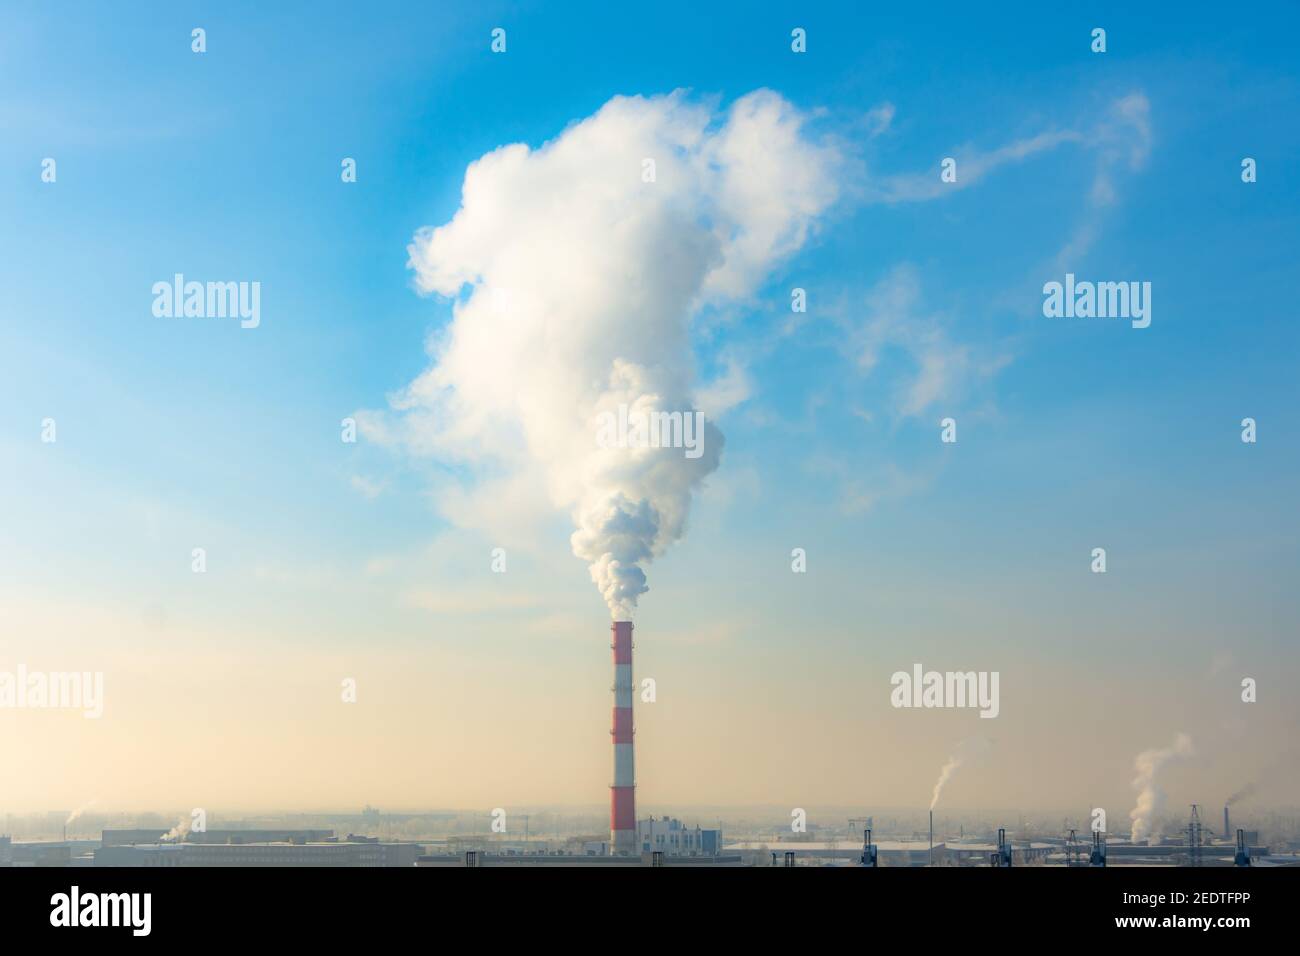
(1266,777)
(177,833)
(965,752)
(76,814)
(1247,791)
(1151,799)
(576,271)
(944,775)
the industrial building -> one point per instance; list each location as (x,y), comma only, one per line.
(359,853)
(575,858)
(1176,854)
(46,852)
(842,852)
(671,836)
(979,854)
(154,835)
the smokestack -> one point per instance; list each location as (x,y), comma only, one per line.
(932,838)
(1227,830)
(622,795)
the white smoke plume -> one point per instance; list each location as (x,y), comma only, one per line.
(1151,799)
(177,833)
(577,269)
(944,775)
(965,752)
(76,814)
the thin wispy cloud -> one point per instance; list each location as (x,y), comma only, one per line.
(368,487)
(928,366)
(972,167)
(1122,142)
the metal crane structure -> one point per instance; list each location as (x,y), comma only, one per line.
(1243,852)
(1002,856)
(1194,838)
(1098,855)
(868,849)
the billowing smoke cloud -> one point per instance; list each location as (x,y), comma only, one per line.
(177,833)
(1151,799)
(577,269)
(965,752)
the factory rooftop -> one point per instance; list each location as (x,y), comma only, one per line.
(843,846)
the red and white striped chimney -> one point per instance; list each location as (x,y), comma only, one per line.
(622,795)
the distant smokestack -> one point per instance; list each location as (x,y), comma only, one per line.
(622,795)
(932,838)
(1227,830)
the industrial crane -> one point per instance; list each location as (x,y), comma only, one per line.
(868,849)
(1002,857)
(1098,856)
(1243,852)
(1194,841)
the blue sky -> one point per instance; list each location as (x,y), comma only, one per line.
(1073,434)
